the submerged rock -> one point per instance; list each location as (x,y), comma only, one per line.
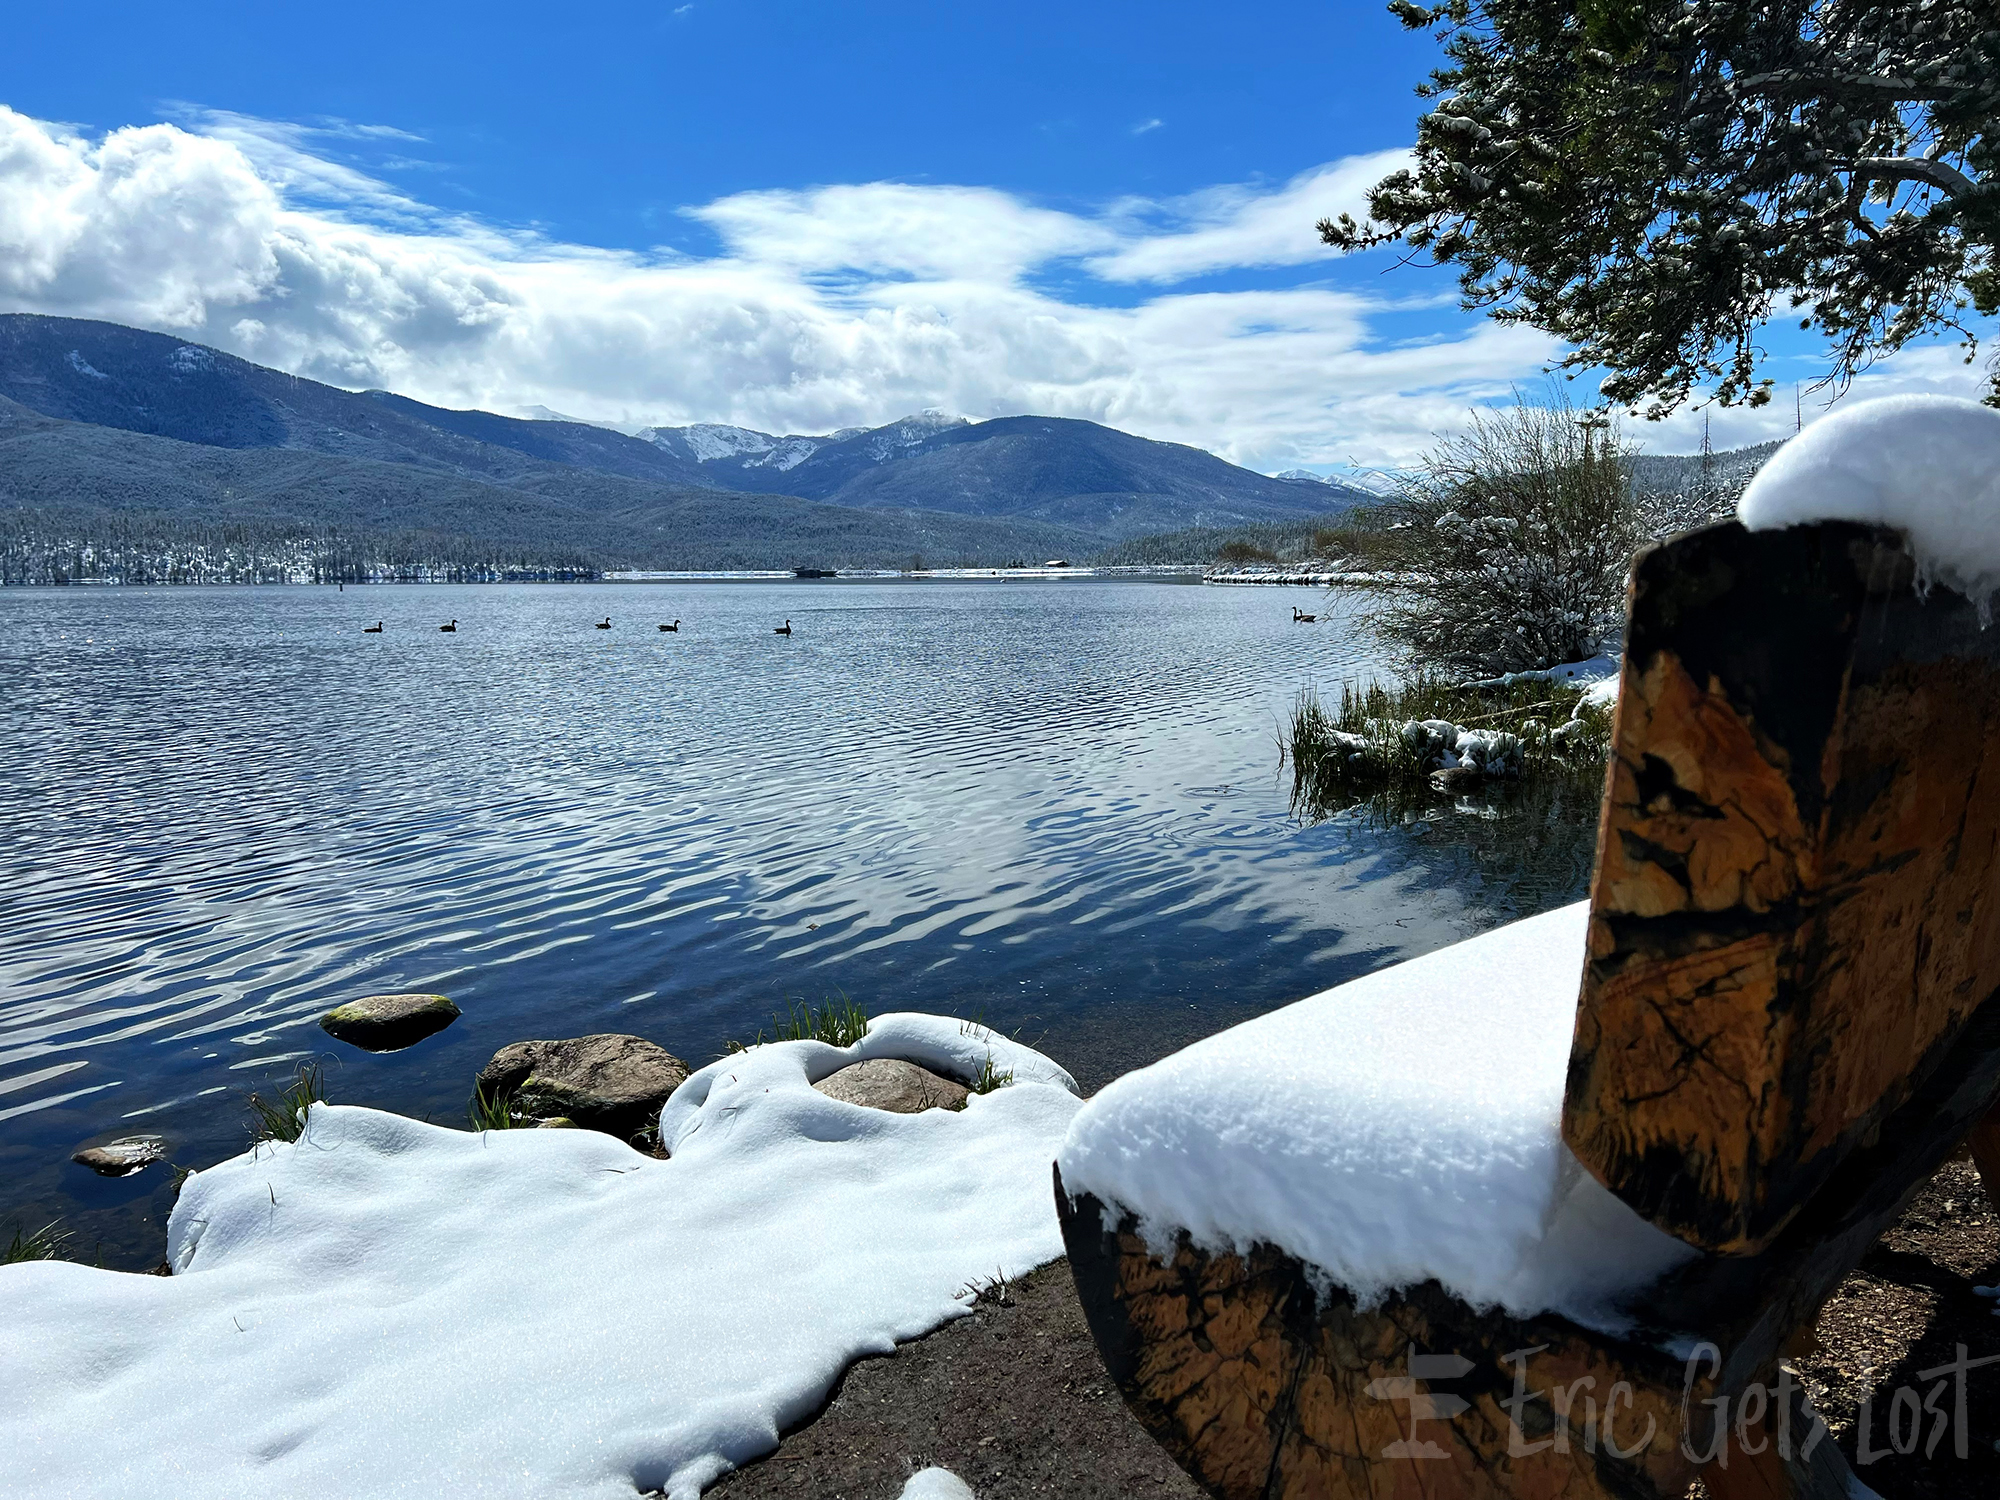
(123,1157)
(1458,779)
(388,1023)
(900,1087)
(611,1083)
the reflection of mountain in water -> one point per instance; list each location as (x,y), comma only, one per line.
(1516,847)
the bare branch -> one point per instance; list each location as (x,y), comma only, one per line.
(1884,85)
(1944,178)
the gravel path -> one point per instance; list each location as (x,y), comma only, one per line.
(1013,1399)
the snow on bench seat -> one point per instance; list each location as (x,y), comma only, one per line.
(1404,1126)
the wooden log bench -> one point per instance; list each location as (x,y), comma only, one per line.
(1789,1017)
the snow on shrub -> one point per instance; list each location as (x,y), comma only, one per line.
(1517,537)
(1392,740)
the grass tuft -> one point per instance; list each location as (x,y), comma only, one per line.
(494,1111)
(46,1243)
(284,1118)
(989,1078)
(990,1290)
(838,1022)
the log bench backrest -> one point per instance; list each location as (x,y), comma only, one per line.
(1796,906)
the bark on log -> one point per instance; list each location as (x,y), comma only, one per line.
(1786,1456)
(1264,1383)
(1796,907)
(1752,1306)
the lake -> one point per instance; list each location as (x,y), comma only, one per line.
(1054,805)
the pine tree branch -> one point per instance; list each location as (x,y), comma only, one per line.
(1886,86)
(1946,179)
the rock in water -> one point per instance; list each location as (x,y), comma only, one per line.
(900,1087)
(1458,779)
(611,1083)
(388,1023)
(123,1157)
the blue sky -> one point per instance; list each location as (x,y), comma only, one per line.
(599,122)
(789,216)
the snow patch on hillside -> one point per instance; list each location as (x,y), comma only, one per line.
(715,442)
(905,433)
(711,440)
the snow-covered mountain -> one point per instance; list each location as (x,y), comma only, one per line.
(1046,468)
(736,447)
(741,448)
(1076,475)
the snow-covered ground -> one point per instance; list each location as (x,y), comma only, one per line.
(1596,675)
(1399,1127)
(1305,576)
(389,1308)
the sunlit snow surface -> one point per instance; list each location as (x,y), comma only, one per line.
(390,1308)
(1927,465)
(936,1484)
(1403,1126)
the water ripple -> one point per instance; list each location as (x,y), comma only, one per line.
(1057,805)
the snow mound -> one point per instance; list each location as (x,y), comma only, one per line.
(958,1049)
(1927,465)
(1596,675)
(1401,1127)
(936,1484)
(389,1308)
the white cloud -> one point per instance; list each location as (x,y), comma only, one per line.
(887,229)
(1933,368)
(1227,228)
(828,307)
(1147,125)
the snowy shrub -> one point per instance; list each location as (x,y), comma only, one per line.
(1388,741)
(1518,534)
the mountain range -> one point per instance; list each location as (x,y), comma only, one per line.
(99,420)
